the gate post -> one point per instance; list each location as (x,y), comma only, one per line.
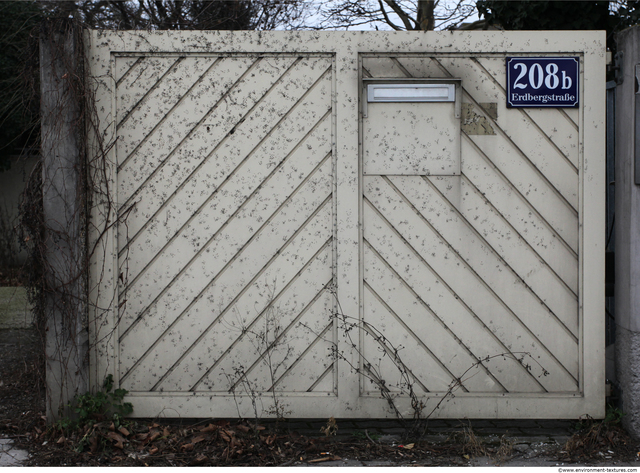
(63,187)
(627,229)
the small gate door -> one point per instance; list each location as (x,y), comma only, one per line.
(470,240)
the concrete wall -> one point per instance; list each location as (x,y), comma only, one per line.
(627,239)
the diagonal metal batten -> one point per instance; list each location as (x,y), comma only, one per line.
(494,344)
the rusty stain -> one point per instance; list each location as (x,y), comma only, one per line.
(474,123)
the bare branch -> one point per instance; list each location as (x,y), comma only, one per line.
(409,23)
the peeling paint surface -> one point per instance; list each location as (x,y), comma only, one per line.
(252,189)
(474,123)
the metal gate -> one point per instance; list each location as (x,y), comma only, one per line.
(260,193)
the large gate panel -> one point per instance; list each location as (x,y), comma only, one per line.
(225,180)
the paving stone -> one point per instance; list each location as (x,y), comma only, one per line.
(11,456)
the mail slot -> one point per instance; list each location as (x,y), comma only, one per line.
(411,92)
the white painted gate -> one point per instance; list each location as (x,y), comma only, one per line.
(473,253)
(258,191)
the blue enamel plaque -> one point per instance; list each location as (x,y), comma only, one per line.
(542,82)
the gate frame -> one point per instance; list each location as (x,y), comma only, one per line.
(347,48)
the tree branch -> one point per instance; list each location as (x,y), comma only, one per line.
(406,19)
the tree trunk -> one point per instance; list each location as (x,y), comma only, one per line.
(426,20)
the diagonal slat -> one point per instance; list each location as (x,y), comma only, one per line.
(316,354)
(563,267)
(429,370)
(330,370)
(185,123)
(149,92)
(282,276)
(419,66)
(190,181)
(267,367)
(225,240)
(239,291)
(221,338)
(499,74)
(136,84)
(435,331)
(161,106)
(124,67)
(265,245)
(236,183)
(222,248)
(466,319)
(470,287)
(468,342)
(564,139)
(526,269)
(502,168)
(476,257)
(543,122)
(563,174)
(260,166)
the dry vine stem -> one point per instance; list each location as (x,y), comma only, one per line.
(70,184)
(273,349)
(416,426)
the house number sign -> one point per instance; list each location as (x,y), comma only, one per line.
(542,82)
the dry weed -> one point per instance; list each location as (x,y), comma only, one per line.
(505,450)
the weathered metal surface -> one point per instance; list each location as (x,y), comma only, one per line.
(397,137)
(253,188)
(473,121)
(467,274)
(226,165)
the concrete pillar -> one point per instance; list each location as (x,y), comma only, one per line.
(63,182)
(627,232)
